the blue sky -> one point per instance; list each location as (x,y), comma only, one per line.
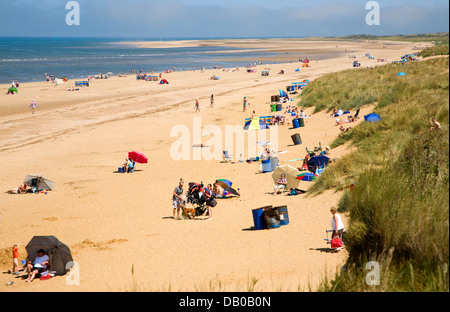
(221,18)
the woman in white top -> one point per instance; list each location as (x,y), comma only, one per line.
(281,185)
(336,223)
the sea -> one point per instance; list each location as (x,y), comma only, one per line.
(29,59)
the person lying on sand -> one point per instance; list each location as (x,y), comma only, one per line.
(344,129)
(22,189)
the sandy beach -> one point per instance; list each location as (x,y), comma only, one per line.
(115,223)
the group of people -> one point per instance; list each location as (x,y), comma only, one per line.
(33,268)
(210,192)
(197,104)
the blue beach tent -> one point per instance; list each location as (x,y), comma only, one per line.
(372,118)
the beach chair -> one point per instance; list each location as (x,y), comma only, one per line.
(317,150)
(227,157)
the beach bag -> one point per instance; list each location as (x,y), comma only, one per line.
(336,243)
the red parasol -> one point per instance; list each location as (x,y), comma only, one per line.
(138,157)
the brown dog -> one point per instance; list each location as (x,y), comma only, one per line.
(188,213)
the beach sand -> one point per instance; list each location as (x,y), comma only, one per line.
(115,223)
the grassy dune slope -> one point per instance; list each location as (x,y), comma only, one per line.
(399,210)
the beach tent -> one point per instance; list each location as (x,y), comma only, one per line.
(283,94)
(13,90)
(372,118)
(318,161)
(39,182)
(60,256)
(164,81)
(256,124)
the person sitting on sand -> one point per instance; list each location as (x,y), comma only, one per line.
(37,266)
(435,125)
(217,189)
(334,113)
(22,189)
(281,185)
(128,166)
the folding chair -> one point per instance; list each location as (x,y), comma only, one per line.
(317,150)
(227,157)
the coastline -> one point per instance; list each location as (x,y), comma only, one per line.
(79,138)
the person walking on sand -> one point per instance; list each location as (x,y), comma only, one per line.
(33,106)
(245,104)
(177,200)
(197,106)
(336,224)
(212,100)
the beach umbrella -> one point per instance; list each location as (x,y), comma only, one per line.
(224,183)
(291,174)
(372,118)
(138,157)
(60,256)
(256,124)
(39,182)
(231,190)
(307,177)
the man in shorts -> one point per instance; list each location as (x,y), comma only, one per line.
(39,265)
(177,199)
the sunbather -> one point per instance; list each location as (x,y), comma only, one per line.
(128,166)
(22,189)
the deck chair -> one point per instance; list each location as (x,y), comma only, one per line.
(317,150)
(227,157)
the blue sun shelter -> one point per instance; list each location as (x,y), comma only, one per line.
(372,118)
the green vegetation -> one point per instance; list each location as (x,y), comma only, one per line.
(435,38)
(436,50)
(399,210)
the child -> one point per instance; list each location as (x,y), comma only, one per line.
(15,269)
